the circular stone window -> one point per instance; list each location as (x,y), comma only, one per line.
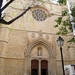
(39,14)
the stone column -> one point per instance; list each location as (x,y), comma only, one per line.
(49,68)
(39,67)
(25,73)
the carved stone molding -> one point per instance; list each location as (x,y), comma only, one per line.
(47,37)
(42,42)
(33,35)
(40,34)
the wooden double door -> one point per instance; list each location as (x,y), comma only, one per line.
(39,68)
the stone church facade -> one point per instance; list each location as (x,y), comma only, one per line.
(31,49)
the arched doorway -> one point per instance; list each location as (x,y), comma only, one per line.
(44,67)
(39,59)
(34,67)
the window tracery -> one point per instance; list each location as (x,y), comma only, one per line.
(39,14)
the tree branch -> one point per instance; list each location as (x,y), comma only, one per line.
(1,3)
(6,5)
(1,9)
(11,21)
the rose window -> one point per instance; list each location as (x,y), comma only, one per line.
(39,14)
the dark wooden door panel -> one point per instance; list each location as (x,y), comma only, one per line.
(34,67)
(44,67)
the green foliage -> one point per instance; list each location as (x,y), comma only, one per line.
(10,28)
(41,1)
(12,13)
(64,24)
(62,2)
(31,19)
(73,11)
(58,20)
(72,40)
(65,12)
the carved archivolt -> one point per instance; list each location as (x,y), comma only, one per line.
(42,42)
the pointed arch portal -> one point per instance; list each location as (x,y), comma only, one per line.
(42,42)
(39,58)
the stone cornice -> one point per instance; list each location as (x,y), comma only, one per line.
(13,58)
(3,41)
(36,31)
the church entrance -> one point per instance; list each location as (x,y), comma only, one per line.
(38,68)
